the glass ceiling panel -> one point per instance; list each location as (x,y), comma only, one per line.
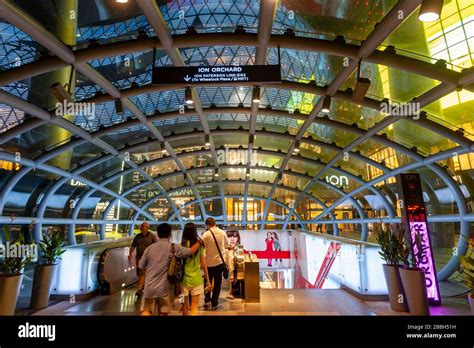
(208,190)
(294,181)
(409,134)
(105,169)
(16,47)
(339,180)
(172,182)
(202,175)
(279,124)
(162,101)
(43,137)
(349,113)
(356,167)
(259,190)
(79,154)
(10,117)
(380,153)
(323,193)
(165,167)
(282,99)
(285,196)
(196,161)
(211,16)
(225,96)
(182,124)
(352,19)
(450,38)
(234,188)
(268,160)
(218,55)
(316,152)
(330,135)
(262,175)
(305,66)
(268,142)
(160,209)
(92,116)
(125,182)
(233,173)
(227,120)
(129,135)
(300,166)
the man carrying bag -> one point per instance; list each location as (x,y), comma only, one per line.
(215,241)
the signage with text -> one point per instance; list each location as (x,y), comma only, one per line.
(414,217)
(216,74)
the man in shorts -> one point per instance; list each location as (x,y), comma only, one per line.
(141,241)
(155,261)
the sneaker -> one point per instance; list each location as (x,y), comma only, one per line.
(215,308)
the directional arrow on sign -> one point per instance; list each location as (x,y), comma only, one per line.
(187,78)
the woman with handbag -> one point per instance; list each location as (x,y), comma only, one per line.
(192,283)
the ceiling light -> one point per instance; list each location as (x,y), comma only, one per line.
(256,95)
(361,89)
(247,174)
(216,172)
(297,147)
(430,10)
(326,104)
(163,148)
(207,140)
(122,1)
(189,96)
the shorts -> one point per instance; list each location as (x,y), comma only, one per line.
(193,290)
(156,305)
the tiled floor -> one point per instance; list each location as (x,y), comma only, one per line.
(273,302)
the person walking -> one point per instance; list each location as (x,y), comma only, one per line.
(269,243)
(192,283)
(277,247)
(155,262)
(215,242)
(141,241)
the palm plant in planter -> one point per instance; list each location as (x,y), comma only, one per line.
(11,274)
(467,266)
(392,251)
(52,247)
(413,278)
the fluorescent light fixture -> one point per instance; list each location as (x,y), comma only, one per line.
(362,86)
(326,104)
(247,174)
(430,10)
(122,1)
(207,140)
(163,148)
(216,172)
(256,95)
(189,96)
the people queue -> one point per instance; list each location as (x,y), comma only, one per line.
(197,263)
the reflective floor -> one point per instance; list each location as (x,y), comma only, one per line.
(272,302)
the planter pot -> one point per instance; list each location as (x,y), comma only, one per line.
(9,291)
(396,294)
(471,302)
(414,284)
(42,285)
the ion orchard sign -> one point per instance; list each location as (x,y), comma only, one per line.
(216,74)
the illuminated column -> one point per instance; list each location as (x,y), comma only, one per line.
(414,218)
(64,27)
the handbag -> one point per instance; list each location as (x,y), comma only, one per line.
(225,271)
(176,268)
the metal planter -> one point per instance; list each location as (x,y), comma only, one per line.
(42,285)
(9,291)
(396,294)
(414,284)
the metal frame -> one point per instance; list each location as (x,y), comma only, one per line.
(64,57)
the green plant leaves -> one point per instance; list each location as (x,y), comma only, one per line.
(393,250)
(52,247)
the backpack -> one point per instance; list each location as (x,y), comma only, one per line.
(176,268)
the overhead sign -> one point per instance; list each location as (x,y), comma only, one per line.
(216,74)
(414,217)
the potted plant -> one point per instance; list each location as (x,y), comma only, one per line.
(392,250)
(52,247)
(413,278)
(467,267)
(11,273)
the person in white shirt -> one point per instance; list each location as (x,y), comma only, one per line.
(213,238)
